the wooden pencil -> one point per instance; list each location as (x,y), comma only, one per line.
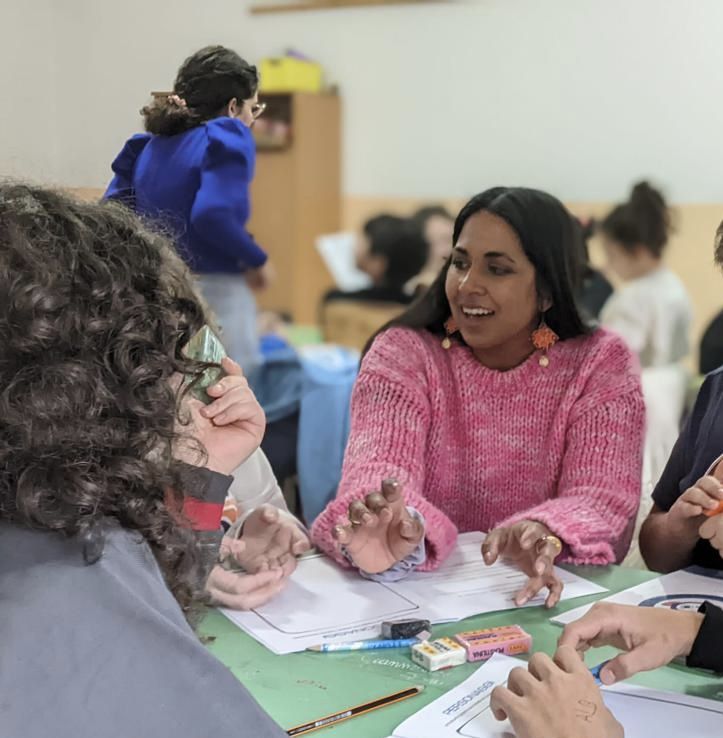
(353,712)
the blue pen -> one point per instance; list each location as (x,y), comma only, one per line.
(365,645)
(595,671)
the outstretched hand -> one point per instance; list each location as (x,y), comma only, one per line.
(524,545)
(380,531)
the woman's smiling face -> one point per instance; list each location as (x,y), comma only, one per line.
(492,292)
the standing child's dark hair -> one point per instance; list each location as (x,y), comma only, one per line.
(206,82)
(644,220)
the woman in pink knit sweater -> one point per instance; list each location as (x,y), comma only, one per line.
(474,428)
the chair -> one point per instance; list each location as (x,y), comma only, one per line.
(352,323)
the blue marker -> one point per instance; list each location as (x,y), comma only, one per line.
(367,645)
(595,671)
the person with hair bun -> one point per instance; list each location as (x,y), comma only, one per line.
(652,311)
(191,171)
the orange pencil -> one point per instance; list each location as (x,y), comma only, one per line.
(714,511)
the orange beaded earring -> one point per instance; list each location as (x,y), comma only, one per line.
(543,339)
(451,328)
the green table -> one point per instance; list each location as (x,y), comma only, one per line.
(303,335)
(304,686)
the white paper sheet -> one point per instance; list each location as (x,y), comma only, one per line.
(681,590)
(464,586)
(324,603)
(337,251)
(465,711)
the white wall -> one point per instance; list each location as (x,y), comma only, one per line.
(578,96)
(28,111)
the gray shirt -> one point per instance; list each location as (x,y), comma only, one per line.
(104,651)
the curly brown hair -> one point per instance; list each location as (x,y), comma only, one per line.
(95,309)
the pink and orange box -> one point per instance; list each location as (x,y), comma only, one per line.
(510,640)
(472,645)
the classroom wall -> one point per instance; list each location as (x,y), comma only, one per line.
(28,100)
(578,96)
(440,100)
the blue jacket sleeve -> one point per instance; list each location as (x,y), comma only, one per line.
(121,186)
(221,208)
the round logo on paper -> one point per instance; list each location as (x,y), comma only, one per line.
(686,602)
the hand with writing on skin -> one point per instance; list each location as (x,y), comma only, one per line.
(522,545)
(648,636)
(380,531)
(554,698)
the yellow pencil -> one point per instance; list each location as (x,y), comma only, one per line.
(339,717)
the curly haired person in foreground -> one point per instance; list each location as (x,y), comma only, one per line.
(99,445)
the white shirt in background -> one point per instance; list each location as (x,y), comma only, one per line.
(254,484)
(653,314)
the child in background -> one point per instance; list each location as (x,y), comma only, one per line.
(437,227)
(594,290)
(191,172)
(651,311)
(391,251)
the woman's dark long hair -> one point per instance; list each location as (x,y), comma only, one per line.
(205,84)
(550,241)
(94,312)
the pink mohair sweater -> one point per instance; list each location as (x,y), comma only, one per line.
(477,448)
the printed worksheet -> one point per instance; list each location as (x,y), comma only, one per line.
(338,252)
(681,590)
(324,603)
(464,712)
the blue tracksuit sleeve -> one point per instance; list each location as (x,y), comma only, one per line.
(221,207)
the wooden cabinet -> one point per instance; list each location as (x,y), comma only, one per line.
(296,196)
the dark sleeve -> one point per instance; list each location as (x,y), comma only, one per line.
(222,207)
(711,346)
(204,492)
(707,651)
(121,186)
(595,293)
(679,465)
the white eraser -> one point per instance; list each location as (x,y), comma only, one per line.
(443,653)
